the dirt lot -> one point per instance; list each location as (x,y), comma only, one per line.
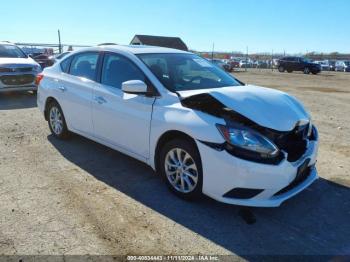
(78,197)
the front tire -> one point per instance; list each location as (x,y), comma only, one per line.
(181,168)
(57,122)
(281,69)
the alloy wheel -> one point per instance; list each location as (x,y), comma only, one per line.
(56,120)
(181,170)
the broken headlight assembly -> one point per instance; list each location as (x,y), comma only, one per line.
(248,144)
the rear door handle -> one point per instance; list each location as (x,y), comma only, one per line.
(62,88)
(100,100)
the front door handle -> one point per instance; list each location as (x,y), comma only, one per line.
(100,100)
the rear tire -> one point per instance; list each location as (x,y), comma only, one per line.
(57,122)
(181,168)
(290,71)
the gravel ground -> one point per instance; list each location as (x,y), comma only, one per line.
(78,197)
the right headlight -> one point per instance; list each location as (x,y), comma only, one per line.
(248,140)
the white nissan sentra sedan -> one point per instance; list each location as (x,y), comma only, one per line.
(201,129)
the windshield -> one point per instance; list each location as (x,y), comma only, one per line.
(11,51)
(347,63)
(178,72)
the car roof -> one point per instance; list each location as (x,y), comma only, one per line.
(6,43)
(135,49)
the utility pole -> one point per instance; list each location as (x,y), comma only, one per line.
(272,60)
(212,52)
(59,42)
(246,60)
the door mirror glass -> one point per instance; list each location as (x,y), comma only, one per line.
(134,87)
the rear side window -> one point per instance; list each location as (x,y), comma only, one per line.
(118,69)
(84,65)
(65,64)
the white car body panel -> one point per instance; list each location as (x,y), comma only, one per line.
(111,119)
(133,124)
(17,61)
(76,94)
(251,175)
(267,107)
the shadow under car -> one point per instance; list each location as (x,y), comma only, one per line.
(315,222)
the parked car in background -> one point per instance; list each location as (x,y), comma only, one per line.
(233,63)
(260,64)
(43,60)
(275,63)
(204,131)
(342,66)
(293,63)
(245,64)
(221,64)
(17,70)
(58,57)
(324,65)
(332,65)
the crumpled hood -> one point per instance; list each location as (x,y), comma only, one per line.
(267,107)
(5,61)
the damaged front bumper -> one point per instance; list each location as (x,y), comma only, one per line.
(232,180)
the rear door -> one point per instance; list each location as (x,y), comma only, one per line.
(121,119)
(299,64)
(76,88)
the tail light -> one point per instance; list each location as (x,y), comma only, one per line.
(38,79)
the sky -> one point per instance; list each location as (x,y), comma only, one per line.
(295,26)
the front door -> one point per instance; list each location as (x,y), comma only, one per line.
(118,118)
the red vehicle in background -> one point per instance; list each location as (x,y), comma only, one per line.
(42,59)
(233,63)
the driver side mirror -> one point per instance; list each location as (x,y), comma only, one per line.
(134,87)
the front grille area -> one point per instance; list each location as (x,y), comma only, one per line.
(15,70)
(294,142)
(15,80)
(303,173)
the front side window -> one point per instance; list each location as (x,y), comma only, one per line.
(84,65)
(118,69)
(178,72)
(11,51)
